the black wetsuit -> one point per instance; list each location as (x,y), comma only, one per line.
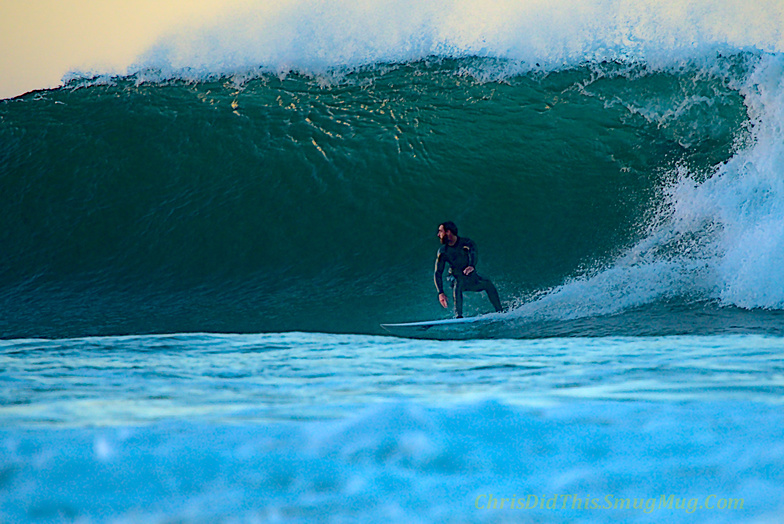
(460,256)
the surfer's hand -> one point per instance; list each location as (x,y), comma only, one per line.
(467,271)
(442,299)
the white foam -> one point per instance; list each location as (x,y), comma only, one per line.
(316,35)
(748,196)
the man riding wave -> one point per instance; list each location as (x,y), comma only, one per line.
(461,255)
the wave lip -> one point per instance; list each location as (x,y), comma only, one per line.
(314,36)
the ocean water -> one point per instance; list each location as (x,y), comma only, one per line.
(197,255)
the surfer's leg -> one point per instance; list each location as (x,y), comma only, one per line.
(457,288)
(483,284)
(492,294)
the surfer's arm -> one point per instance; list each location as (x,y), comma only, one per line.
(438,275)
(473,257)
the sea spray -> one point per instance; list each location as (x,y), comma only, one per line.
(315,36)
(716,238)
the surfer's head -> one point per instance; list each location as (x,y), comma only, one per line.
(447,232)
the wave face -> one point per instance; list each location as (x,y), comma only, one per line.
(274,184)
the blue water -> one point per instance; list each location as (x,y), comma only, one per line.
(312,427)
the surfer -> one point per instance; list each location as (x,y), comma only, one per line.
(460,254)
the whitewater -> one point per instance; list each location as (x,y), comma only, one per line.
(198,252)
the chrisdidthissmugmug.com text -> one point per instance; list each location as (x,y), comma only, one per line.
(607,502)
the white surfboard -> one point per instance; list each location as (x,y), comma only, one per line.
(439,328)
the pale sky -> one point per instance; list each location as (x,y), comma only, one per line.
(42,40)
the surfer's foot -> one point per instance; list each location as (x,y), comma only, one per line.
(459,316)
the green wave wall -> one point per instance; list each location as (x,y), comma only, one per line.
(304,203)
